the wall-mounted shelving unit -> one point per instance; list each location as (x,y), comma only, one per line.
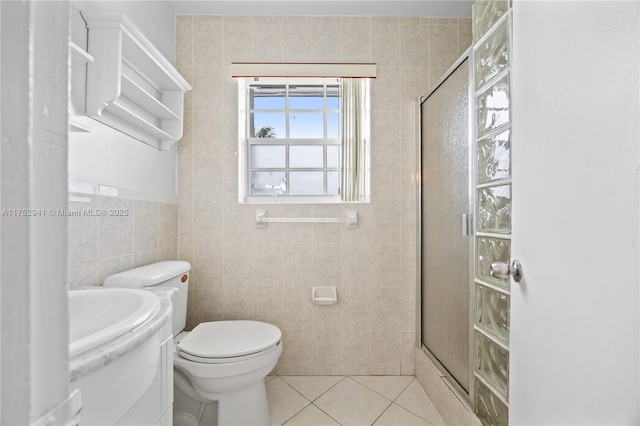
(81,56)
(80,53)
(131,86)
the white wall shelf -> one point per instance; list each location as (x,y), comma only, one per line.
(79,52)
(75,125)
(131,86)
(81,56)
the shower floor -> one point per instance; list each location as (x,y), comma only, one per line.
(349,400)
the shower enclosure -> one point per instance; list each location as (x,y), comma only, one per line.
(446,224)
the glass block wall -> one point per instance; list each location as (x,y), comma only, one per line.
(491,57)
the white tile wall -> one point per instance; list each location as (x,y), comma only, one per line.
(103,245)
(267,274)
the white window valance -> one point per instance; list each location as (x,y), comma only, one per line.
(282,69)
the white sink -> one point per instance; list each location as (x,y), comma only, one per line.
(99,315)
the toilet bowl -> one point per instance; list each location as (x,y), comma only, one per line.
(226,362)
(219,366)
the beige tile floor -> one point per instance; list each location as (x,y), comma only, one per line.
(351,400)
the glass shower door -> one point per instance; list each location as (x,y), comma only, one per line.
(445,239)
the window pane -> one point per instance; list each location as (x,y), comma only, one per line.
(293,144)
(305,125)
(306,97)
(268,183)
(333,125)
(333,183)
(333,156)
(306,183)
(268,156)
(333,97)
(268,125)
(267,97)
(306,156)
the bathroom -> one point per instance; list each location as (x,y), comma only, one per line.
(563,319)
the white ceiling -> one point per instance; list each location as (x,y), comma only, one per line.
(424,8)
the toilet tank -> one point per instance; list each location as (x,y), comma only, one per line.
(173,273)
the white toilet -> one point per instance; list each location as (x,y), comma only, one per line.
(218,363)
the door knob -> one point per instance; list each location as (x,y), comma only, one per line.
(502,270)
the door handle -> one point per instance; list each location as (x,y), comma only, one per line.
(502,270)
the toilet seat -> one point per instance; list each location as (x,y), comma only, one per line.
(220,342)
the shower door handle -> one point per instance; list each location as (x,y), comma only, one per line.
(502,270)
(467,226)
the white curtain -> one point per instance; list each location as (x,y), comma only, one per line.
(354,111)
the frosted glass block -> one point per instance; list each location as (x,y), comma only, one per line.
(333,183)
(485,14)
(268,156)
(492,55)
(306,125)
(268,183)
(492,311)
(492,363)
(268,125)
(493,106)
(333,156)
(494,209)
(489,408)
(491,250)
(306,156)
(494,157)
(306,183)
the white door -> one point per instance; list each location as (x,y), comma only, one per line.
(574,356)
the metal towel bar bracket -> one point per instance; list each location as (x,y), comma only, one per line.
(351,219)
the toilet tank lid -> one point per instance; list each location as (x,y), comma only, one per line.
(148,275)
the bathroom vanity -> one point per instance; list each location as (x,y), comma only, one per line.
(126,379)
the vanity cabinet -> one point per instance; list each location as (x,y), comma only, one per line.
(155,406)
(127,380)
(131,86)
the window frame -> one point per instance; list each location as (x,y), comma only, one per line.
(246,142)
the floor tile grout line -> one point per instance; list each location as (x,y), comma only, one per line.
(327,414)
(373,390)
(366,387)
(342,379)
(329,388)
(296,390)
(295,414)
(311,402)
(323,393)
(428,422)
(411,411)
(404,389)
(305,398)
(400,406)
(383,411)
(334,385)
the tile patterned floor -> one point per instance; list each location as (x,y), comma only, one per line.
(351,400)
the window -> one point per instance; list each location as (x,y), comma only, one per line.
(291,140)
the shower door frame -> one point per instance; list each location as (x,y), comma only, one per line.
(463,395)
